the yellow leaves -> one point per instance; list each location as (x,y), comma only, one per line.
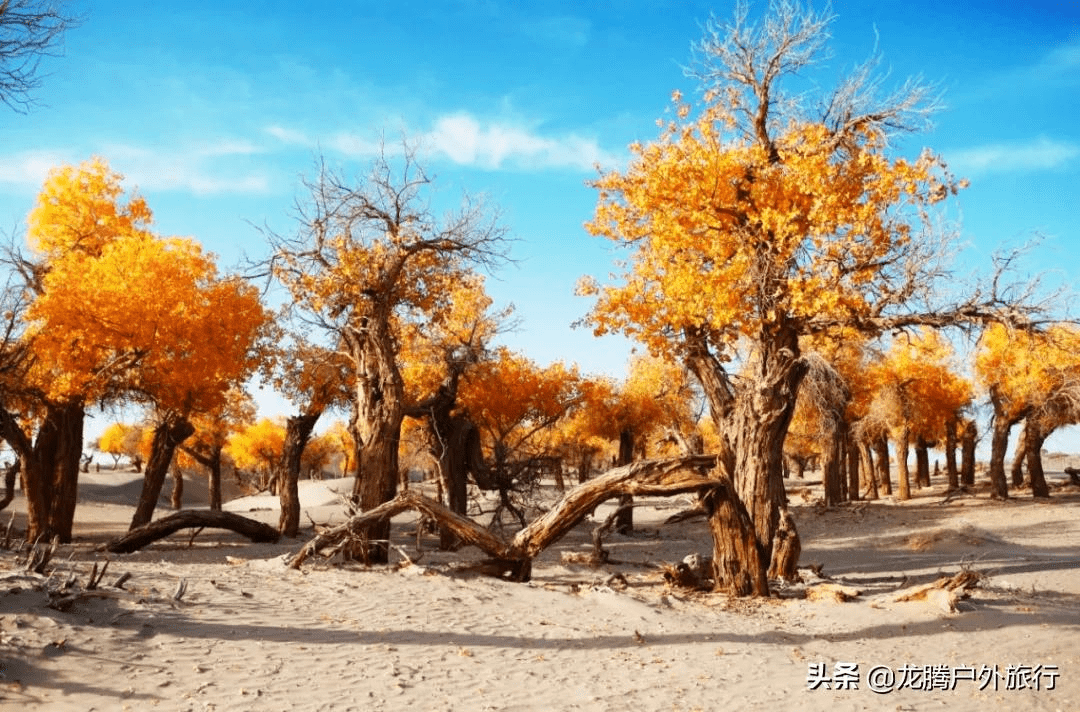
(78,209)
(1022,369)
(258,446)
(729,237)
(123,312)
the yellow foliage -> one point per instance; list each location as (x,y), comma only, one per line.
(733,239)
(259,446)
(121,311)
(1023,369)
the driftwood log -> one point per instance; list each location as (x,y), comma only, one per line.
(190,519)
(644,478)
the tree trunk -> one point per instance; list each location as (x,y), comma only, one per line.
(10,473)
(951,472)
(168,434)
(854,456)
(738,568)
(922,462)
(176,499)
(868,467)
(214,466)
(65,486)
(999,443)
(1017,470)
(297,434)
(903,476)
(969,434)
(1034,437)
(831,474)
(378,410)
(884,470)
(584,468)
(624,520)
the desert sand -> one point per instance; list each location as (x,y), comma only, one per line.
(428,633)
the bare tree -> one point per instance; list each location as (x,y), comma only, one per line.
(29,30)
(365,259)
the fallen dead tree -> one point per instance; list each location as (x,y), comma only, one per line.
(192,519)
(514,556)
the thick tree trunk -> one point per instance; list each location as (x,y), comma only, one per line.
(951,471)
(378,410)
(969,434)
(753,424)
(903,475)
(65,485)
(168,434)
(1016,474)
(624,519)
(999,443)
(1034,437)
(49,468)
(297,434)
(922,462)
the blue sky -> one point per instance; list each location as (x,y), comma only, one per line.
(214,109)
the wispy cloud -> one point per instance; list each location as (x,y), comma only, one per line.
(29,169)
(201,169)
(1040,154)
(468,141)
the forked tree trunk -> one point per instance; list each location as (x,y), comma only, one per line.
(754,423)
(168,434)
(297,434)
(1016,473)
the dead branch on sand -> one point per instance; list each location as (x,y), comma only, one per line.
(514,556)
(192,518)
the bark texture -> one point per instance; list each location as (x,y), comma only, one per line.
(168,435)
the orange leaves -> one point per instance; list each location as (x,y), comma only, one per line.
(122,312)
(79,209)
(729,237)
(258,446)
(1024,369)
(918,385)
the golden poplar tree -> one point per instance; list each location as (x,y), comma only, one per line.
(763,215)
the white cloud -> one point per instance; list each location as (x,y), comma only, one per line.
(466,140)
(469,141)
(1040,154)
(289,136)
(192,169)
(30,168)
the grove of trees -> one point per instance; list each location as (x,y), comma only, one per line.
(782,265)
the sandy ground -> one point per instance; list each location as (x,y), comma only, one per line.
(251,634)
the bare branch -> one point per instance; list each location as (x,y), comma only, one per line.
(29,30)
